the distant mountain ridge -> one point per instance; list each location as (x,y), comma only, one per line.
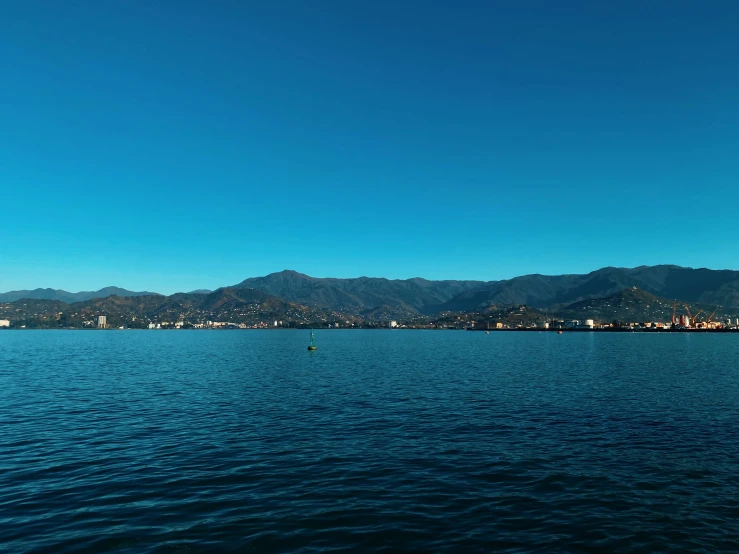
(362,294)
(366,295)
(379,298)
(68,297)
(242,305)
(718,287)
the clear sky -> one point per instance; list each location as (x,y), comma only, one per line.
(175,145)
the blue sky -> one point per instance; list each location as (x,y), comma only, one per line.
(177,145)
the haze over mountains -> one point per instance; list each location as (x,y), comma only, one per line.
(372,298)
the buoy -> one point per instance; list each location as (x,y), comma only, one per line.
(312,344)
(487,332)
(559,332)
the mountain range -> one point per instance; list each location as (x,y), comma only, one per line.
(379,298)
(249,306)
(363,295)
(68,297)
(420,296)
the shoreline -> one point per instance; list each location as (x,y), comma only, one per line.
(521,330)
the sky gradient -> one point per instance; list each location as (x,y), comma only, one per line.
(170,146)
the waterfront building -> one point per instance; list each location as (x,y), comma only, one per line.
(4,323)
(101,321)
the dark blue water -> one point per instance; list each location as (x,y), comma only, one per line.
(199,441)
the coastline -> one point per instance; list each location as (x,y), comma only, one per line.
(517,330)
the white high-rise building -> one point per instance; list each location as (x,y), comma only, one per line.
(4,323)
(101,321)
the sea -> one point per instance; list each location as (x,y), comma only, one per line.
(381,440)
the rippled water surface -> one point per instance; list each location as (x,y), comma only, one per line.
(199,441)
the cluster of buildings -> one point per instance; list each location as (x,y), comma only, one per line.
(590,324)
(219,325)
(573,324)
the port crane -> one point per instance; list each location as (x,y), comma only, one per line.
(693,318)
(710,317)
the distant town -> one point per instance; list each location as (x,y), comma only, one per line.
(520,318)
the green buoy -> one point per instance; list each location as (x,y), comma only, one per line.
(312,344)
